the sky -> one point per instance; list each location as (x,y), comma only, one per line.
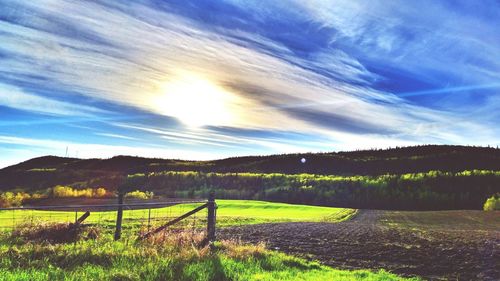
(214,79)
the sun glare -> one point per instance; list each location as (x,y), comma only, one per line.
(196,101)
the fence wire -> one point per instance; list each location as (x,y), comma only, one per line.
(137,217)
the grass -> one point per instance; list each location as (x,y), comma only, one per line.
(229,213)
(172,255)
(251,212)
(168,257)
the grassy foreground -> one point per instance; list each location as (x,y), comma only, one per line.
(229,213)
(168,257)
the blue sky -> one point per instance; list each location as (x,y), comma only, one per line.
(213,79)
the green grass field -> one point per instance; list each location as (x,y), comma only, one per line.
(229,213)
(175,259)
(172,256)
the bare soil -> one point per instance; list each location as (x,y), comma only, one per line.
(450,245)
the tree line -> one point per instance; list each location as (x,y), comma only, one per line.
(433,190)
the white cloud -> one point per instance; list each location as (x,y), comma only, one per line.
(91,150)
(134,49)
(219,139)
(452,41)
(16,98)
(115,136)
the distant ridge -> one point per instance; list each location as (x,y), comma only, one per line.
(43,172)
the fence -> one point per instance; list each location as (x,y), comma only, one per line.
(134,220)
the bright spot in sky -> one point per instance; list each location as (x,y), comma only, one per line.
(303,160)
(195,101)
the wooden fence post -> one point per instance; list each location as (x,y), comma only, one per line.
(149,219)
(211,206)
(119,216)
(79,221)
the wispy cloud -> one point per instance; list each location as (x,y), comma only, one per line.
(457,39)
(94,150)
(115,136)
(14,97)
(344,74)
(217,138)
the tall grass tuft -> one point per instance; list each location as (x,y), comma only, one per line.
(53,232)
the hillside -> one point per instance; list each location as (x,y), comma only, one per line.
(412,178)
(364,162)
(47,171)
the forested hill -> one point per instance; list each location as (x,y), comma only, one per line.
(421,178)
(46,171)
(364,162)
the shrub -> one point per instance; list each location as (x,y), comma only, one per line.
(492,203)
(140,195)
(63,191)
(67,191)
(100,192)
(39,195)
(11,199)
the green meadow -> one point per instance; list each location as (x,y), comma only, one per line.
(171,256)
(104,259)
(229,213)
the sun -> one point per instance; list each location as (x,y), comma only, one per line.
(196,101)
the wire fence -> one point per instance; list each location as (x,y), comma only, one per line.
(137,216)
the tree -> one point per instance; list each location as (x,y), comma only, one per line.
(492,203)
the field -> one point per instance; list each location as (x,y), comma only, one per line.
(437,245)
(173,255)
(229,213)
(237,212)
(167,260)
